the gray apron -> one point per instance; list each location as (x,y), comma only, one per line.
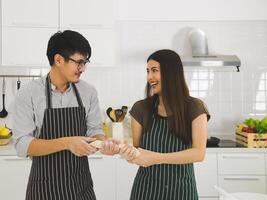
(61,175)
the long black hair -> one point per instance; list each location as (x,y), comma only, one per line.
(174,91)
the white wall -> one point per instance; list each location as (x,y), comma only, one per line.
(230,96)
(145,26)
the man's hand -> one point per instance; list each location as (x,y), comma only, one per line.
(110,147)
(80,146)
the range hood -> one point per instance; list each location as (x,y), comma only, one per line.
(200,54)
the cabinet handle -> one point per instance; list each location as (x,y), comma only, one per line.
(240,157)
(86,25)
(95,157)
(27,159)
(27,23)
(241,179)
(16,159)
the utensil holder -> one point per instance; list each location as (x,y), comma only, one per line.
(117,130)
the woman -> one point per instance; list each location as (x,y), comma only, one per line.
(170,129)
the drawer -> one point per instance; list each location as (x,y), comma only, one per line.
(243,183)
(241,164)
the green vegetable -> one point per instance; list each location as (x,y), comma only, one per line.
(260,125)
(252,122)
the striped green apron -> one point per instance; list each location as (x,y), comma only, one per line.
(164,181)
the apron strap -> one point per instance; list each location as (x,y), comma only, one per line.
(48,93)
(77,95)
(155,105)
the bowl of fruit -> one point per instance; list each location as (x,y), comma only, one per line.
(252,133)
(5,135)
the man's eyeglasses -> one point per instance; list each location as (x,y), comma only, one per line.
(80,63)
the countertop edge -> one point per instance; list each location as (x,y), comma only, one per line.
(9,150)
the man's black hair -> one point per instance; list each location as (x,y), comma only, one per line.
(67,43)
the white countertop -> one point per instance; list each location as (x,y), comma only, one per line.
(9,150)
(236,150)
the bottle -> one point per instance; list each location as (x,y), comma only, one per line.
(106,129)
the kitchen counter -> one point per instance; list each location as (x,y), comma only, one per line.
(236,150)
(9,150)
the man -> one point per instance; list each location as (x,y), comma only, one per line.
(55,119)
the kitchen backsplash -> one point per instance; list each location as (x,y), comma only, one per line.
(229,95)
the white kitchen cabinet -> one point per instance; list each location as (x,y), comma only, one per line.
(27,26)
(125,176)
(102,45)
(241,163)
(104,177)
(242,172)
(30,13)
(25,46)
(14,173)
(88,14)
(206,176)
(244,183)
(208,198)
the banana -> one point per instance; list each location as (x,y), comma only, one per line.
(240,127)
(4,132)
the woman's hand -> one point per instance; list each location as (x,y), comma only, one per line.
(128,152)
(146,158)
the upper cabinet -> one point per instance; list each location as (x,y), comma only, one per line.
(25,47)
(102,45)
(86,14)
(30,13)
(94,20)
(27,26)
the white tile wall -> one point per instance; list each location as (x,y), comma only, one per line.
(230,96)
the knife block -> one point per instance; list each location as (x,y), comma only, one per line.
(117,130)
